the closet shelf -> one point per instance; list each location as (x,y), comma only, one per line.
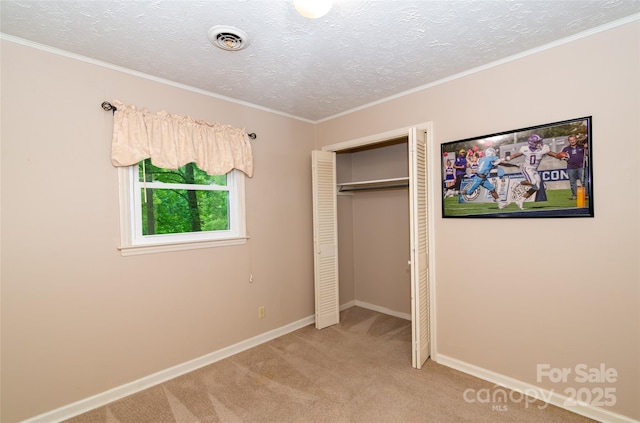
(376,184)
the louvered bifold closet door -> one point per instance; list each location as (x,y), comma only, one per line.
(325,238)
(419,256)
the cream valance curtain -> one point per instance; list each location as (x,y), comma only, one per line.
(171,141)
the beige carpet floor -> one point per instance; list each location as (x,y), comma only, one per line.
(356,371)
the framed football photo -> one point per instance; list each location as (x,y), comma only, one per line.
(540,171)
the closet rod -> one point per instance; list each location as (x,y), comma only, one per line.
(373,188)
(111,108)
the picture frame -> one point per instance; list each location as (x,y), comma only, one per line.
(542,171)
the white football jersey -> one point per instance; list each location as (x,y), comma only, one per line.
(532,159)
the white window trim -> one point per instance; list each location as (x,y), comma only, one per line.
(131,244)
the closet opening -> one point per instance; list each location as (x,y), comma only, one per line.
(370,217)
(373,227)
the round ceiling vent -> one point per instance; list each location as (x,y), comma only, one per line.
(228,38)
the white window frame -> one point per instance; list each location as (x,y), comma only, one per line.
(132,242)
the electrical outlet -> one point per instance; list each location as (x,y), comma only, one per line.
(261,312)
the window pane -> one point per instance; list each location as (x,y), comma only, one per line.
(183,211)
(187,174)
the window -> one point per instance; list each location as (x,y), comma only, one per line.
(167,210)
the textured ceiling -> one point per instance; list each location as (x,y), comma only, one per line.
(359,53)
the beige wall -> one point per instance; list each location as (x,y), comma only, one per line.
(557,291)
(346,276)
(77,317)
(373,230)
(381,249)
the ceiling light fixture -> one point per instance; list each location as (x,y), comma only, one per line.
(313,8)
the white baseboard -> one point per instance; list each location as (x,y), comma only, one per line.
(347,305)
(104,398)
(374,307)
(546,395)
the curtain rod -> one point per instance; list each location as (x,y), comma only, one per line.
(111,108)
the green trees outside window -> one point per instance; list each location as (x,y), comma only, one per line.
(183,200)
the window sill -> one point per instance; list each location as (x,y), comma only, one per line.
(135,250)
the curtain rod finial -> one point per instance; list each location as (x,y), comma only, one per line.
(108,106)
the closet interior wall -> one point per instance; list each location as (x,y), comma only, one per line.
(373,228)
